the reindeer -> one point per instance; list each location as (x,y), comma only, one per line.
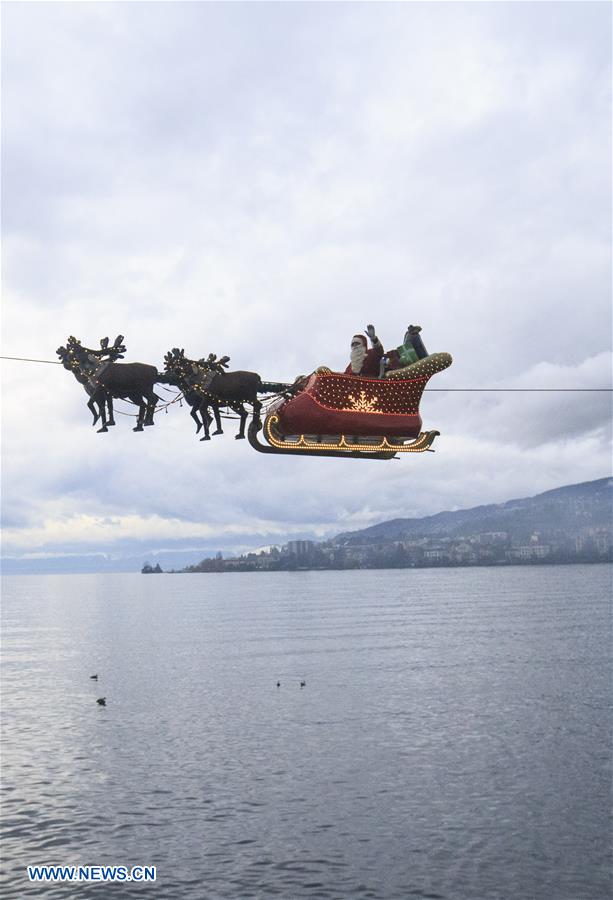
(216,387)
(104,379)
(97,399)
(198,410)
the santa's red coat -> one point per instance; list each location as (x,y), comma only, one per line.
(370,366)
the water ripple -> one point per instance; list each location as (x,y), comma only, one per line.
(452,741)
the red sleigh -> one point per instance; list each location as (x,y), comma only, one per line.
(333,414)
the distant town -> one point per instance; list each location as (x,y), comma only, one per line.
(572,524)
(493,548)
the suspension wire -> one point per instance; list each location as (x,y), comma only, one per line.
(54,362)
(523,390)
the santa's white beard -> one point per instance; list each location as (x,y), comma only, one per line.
(358,355)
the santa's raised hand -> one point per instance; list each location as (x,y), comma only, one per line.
(370,331)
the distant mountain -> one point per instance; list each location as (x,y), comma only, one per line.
(569,509)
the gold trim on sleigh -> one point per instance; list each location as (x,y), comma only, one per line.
(301,442)
(423,368)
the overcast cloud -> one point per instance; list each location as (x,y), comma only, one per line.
(264,179)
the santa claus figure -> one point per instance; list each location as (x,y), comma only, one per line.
(363,361)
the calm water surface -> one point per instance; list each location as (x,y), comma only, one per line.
(452,740)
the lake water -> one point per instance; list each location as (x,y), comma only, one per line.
(452,740)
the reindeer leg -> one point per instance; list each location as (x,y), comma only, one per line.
(206,419)
(257,407)
(216,413)
(109,403)
(151,404)
(194,414)
(142,409)
(101,413)
(92,408)
(240,409)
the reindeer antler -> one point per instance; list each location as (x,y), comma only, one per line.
(116,351)
(119,348)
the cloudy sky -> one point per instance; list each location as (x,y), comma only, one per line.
(262,180)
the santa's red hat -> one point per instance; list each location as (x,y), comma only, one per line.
(359,337)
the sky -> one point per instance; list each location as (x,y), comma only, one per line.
(263,180)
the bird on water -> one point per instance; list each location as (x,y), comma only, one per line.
(101,701)
(95,677)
